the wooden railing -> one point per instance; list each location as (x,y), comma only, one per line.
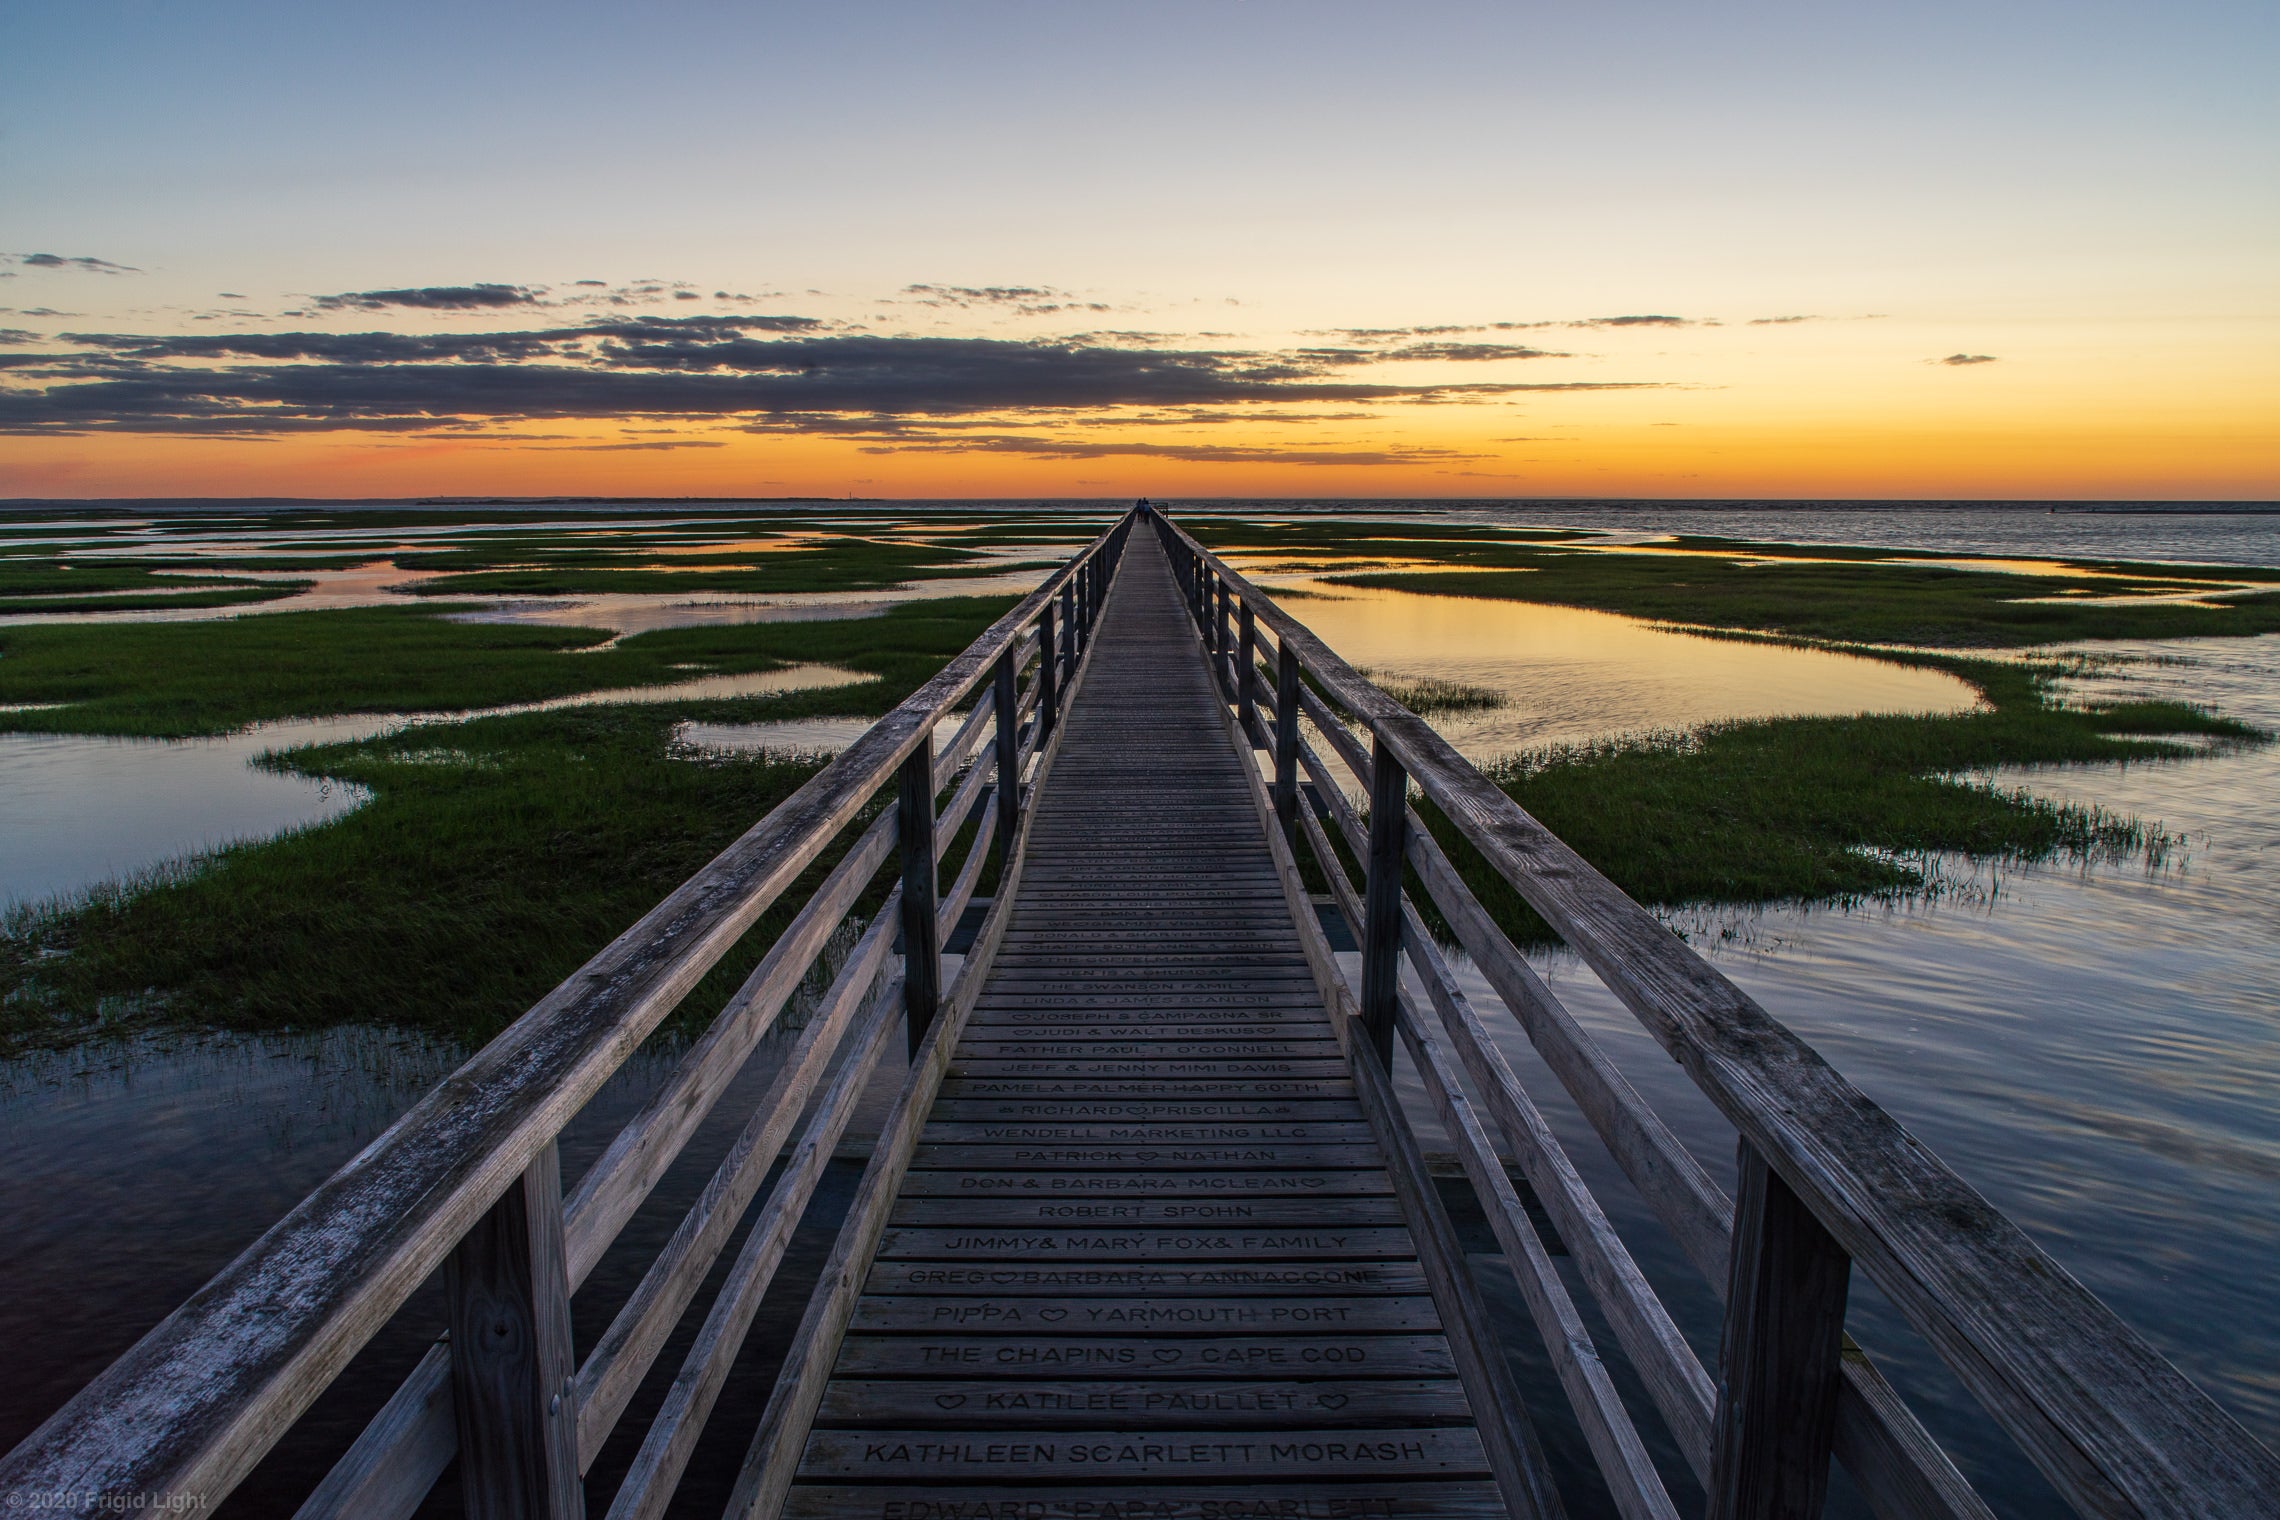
(1827,1180)
(468,1181)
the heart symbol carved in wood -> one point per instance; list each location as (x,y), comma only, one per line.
(1052,1316)
(1331,1400)
(949,1400)
(1167,1353)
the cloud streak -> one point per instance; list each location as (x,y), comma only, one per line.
(82,263)
(701,367)
(1022,300)
(1962,359)
(433,298)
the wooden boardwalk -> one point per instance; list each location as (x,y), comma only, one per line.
(1147,1246)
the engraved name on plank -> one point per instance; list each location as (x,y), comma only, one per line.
(1098,1184)
(1019,1211)
(1349,1501)
(1404,1277)
(1120,1316)
(1145,1245)
(1315,1453)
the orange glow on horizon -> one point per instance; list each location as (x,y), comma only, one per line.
(2203,456)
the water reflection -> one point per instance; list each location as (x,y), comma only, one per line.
(1570,675)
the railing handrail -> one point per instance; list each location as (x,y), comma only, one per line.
(191,1407)
(2113,1425)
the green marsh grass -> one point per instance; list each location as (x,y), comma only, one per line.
(1831,809)
(494,857)
(173,680)
(1843,600)
(1435,694)
(835,564)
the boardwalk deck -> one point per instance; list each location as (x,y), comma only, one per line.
(1146,1249)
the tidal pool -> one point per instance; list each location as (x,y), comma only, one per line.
(77,810)
(1571,675)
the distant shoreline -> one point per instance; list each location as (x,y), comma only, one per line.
(1203,503)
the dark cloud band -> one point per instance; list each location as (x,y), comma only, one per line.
(709,367)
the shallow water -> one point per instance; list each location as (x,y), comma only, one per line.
(1570,675)
(77,810)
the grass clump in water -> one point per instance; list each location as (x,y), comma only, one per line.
(1830,809)
(1436,694)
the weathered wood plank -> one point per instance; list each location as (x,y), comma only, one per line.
(1170,1068)
(387,1471)
(1779,1363)
(621,1358)
(648,1487)
(1246,1159)
(1061,1356)
(1676,1381)
(1145,1243)
(1134,1087)
(1161,1278)
(1026,1314)
(1425,1500)
(1151,1183)
(1137,1406)
(1143,1110)
(1316,1131)
(1257,1213)
(1156,1456)
(1615,1444)
(507,1294)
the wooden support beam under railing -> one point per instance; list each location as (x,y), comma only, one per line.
(1381,901)
(922,945)
(507,1294)
(1779,1371)
(1006,694)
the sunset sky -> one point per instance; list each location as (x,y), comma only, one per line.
(1247,247)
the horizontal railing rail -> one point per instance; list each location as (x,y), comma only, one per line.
(467,1181)
(1828,1180)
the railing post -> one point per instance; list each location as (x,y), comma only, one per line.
(1008,759)
(1069,625)
(1081,582)
(1247,672)
(1048,689)
(1286,743)
(1780,1357)
(1221,643)
(1381,897)
(513,1372)
(921,937)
